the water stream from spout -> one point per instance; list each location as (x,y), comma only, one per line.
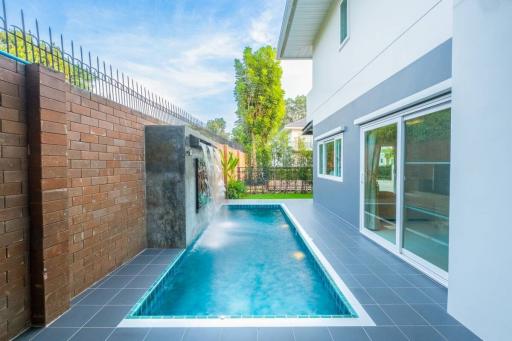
(215,178)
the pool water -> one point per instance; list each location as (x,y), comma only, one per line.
(249,262)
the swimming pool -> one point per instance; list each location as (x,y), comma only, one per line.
(251,264)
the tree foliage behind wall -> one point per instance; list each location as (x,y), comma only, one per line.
(26,47)
(295,109)
(217,126)
(260,102)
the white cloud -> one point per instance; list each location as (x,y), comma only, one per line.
(261,31)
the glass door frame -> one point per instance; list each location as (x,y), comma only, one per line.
(399,118)
(398,216)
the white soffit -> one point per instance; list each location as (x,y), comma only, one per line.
(301,23)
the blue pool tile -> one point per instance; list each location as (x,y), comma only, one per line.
(167,334)
(379,268)
(348,333)
(384,296)
(164,259)
(202,334)
(238,334)
(129,270)
(108,316)
(140,282)
(77,316)
(403,315)
(422,281)
(362,296)
(151,252)
(370,281)
(421,333)
(438,295)
(275,334)
(385,334)
(127,297)
(357,269)
(308,334)
(412,295)
(153,269)
(116,282)
(395,281)
(378,315)
(89,334)
(143,259)
(170,251)
(403,268)
(457,333)
(128,334)
(435,315)
(53,334)
(81,296)
(99,297)
(351,282)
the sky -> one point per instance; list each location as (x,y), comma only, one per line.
(182,50)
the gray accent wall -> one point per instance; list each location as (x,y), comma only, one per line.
(172,220)
(343,198)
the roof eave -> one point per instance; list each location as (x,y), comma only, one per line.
(285,27)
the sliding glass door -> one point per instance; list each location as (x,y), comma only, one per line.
(380,181)
(405,185)
(427,187)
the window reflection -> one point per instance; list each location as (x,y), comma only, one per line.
(380,181)
(427,187)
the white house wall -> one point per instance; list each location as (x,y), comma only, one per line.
(384,37)
(480,280)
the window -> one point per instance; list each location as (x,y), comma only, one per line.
(343,21)
(330,158)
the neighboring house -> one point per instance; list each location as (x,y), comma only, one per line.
(423,87)
(295,130)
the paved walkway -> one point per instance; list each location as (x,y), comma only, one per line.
(405,304)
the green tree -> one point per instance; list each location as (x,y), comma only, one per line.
(295,109)
(304,155)
(260,102)
(282,153)
(217,126)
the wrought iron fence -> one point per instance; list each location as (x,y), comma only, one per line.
(276,179)
(86,72)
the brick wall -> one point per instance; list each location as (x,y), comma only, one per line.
(86,188)
(106,186)
(14,222)
(47,132)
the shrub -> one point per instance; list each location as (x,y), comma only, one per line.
(235,189)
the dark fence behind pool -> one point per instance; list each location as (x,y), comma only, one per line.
(276,179)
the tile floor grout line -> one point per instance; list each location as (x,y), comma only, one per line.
(330,334)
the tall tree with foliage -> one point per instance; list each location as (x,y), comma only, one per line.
(217,126)
(295,109)
(260,101)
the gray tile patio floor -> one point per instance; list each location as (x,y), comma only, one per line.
(405,304)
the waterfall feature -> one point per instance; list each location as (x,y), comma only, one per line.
(215,178)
